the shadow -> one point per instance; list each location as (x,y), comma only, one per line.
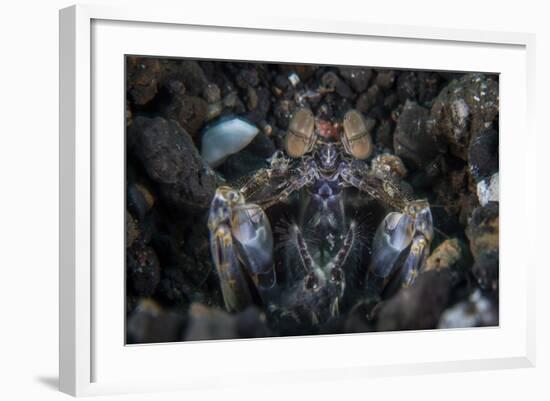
(51,382)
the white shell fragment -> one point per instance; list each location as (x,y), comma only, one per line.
(294,79)
(488,190)
(226,138)
(476,311)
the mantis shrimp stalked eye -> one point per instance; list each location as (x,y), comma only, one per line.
(356,138)
(301,133)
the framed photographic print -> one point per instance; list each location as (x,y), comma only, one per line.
(250,191)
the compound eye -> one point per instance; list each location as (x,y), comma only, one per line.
(356,138)
(301,133)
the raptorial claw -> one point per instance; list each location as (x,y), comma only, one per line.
(415,260)
(392,238)
(236,294)
(241,244)
(401,244)
(423,222)
(252,233)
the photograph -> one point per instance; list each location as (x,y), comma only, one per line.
(269,199)
(290,200)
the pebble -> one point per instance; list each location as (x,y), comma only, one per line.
(214,110)
(215,324)
(175,288)
(367,100)
(407,86)
(282,112)
(132,229)
(464,108)
(128,114)
(140,200)
(212,93)
(447,255)
(143,269)
(230,100)
(175,88)
(488,190)
(357,77)
(483,234)
(417,307)
(412,141)
(428,86)
(385,78)
(384,134)
(247,77)
(189,72)
(476,311)
(189,111)
(251,98)
(170,158)
(259,105)
(391,101)
(150,324)
(331,82)
(388,167)
(143,75)
(483,154)
(281,84)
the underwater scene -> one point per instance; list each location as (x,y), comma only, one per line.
(269,199)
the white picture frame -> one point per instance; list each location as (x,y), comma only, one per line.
(92,38)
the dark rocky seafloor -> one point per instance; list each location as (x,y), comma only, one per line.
(443,126)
